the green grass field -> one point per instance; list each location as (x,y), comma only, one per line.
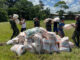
(6,54)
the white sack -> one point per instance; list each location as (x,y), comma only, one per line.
(71,44)
(52,42)
(57,19)
(54,48)
(35,30)
(9,42)
(37,48)
(37,42)
(64,49)
(15,16)
(32,31)
(68,26)
(30,48)
(13,41)
(64,44)
(46,20)
(52,36)
(46,45)
(18,49)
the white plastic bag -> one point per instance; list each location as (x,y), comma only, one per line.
(18,49)
(37,42)
(30,48)
(32,31)
(46,46)
(13,41)
(64,44)
(52,42)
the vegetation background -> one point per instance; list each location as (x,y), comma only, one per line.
(23,8)
(27,10)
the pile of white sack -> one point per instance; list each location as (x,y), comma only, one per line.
(39,40)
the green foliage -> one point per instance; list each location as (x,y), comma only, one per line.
(24,8)
(11,3)
(23,4)
(3,4)
(70,13)
(61,4)
(12,11)
(3,15)
(61,12)
(41,4)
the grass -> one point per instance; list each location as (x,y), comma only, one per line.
(6,54)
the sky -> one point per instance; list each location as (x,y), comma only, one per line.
(74,5)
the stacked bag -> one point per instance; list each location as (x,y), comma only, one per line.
(39,40)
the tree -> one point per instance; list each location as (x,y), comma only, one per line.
(3,4)
(62,5)
(3,11)
(12,10)
(47,12)
(11,3)
(41,4)
(61,12)
(3,15)
(24,8)
(71,15)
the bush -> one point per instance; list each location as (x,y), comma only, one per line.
(3,15)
